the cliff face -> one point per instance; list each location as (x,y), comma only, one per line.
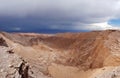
(89,54)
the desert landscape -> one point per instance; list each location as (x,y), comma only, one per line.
(59,38)
(94,54)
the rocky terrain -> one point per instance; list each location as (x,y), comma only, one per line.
(94,54)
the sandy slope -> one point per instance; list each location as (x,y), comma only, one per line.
(69,55)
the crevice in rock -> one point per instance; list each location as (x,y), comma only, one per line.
(10,51)
(23,70)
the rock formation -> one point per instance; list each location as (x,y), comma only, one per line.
(93,54)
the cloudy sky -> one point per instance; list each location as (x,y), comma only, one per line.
(50,16)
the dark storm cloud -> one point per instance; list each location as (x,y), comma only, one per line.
(55,14)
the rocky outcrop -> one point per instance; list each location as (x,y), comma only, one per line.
(13,66)
(9,64)
(3,42)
